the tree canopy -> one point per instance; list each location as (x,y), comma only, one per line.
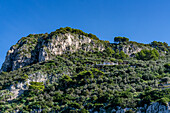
(147,54)
(121,39)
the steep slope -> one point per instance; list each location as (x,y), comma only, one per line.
(43,47)
(72,71)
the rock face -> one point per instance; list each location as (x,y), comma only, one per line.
(131,48)
(42,47)
(38,48)
(158,108)
(20,87)
(153,108)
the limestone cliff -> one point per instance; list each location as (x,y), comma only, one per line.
(130,48)
(43,47)
(155,107)
(37,48)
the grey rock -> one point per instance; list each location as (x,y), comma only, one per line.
(32,50)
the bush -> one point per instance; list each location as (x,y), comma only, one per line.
(164,101)
(121,39)
(147,55)
(38,86)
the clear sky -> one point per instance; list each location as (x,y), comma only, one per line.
(140,20)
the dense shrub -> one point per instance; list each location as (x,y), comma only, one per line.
(80,81)
(37,86)
(121,39)
(147,55)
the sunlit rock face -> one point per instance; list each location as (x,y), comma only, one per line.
(20,87)
(31,50)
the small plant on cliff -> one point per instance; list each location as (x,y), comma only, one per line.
(36,86)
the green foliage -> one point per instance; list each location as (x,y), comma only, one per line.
(66,80)
(167,65)
(84,111)
(155,95)
(84,77)
(163,46)
(147,55)
(75,31)
(165,80)
(24,77)
(164,100)
(121,55)
(121,39)
(37,86)
(76,83)
(109,51)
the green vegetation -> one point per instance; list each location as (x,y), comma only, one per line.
(109,51)
(155,95)
(86,85)
(80,81)
(74,31)
(36,86)
(147,55)
(163,46)
(167,66)
(121,39)
(121,55)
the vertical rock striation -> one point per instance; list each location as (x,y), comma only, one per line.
(43,47)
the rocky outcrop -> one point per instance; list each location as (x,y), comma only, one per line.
(130,49)
(153,108)
(20,87)
(33,49)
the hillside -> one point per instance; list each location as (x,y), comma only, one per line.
(72,71)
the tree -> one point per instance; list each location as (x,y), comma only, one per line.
(109,51)
(158,44)
(147,54)
(122,55)
(84,77)
(65,79)
(124,39)
(97,73)
(93,36)
(68,29)
(117,39)
(154,44)
(121,39)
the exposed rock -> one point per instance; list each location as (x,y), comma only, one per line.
(32,49)
(131,48)
(19,88)
(158,108)
(153,108)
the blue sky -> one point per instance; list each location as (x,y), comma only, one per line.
(140,20)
